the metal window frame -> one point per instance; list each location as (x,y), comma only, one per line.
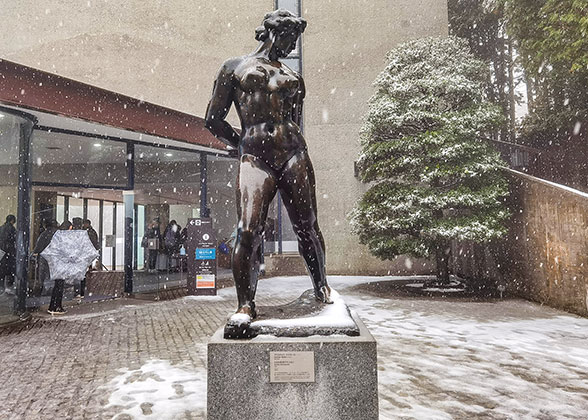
(300,64)
(130,246)
(23,209)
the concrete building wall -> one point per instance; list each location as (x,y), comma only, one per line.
(165,51)
(344,49)
(168,52)
(545,256)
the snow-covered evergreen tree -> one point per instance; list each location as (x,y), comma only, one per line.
(433,175)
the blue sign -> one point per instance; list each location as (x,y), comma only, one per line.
(205,253)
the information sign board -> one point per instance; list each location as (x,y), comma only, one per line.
(201,252)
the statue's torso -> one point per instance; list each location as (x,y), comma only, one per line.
(265,94)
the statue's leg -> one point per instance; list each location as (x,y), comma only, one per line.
(256,188)
(297,185)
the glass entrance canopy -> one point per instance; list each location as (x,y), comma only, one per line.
(122,182)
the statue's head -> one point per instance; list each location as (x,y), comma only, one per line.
(284,28)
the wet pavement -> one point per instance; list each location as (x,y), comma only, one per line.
(439,358)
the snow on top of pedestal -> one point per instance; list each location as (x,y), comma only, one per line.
(334,315)
(239,319)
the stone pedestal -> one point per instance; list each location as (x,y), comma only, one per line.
(312,378)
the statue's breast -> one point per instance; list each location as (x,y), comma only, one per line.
(254,78)
(283,81)
(269,78)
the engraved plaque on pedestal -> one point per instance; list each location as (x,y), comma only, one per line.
(292,366)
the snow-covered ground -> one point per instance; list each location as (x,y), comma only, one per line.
(157,390)
(438,358)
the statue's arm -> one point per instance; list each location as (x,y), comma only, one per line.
(220,103)
(298,101)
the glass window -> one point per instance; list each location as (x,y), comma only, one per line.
(290,5)
(10,133)
(120,236)
(167,184)
(139,233)
(222,177)
(94,214)
(60,209)
(9,141)
(289,241)
(167,188)
(293,63)
(107,232)
(76,208)
(70,159)
(294,7)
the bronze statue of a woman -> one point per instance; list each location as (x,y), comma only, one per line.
(272,153)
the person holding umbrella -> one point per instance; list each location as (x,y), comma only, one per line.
(68,255)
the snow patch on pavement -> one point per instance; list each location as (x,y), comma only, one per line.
(158,390)
(452,359)
(471,360)
(437,358)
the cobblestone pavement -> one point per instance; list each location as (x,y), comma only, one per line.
(55,368)
(60,368)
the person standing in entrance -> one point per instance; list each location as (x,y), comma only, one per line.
(91,233)
(77,223)
(153,236)
(43,242)
(56,303)
(273,156)
(8,252)
(66,225)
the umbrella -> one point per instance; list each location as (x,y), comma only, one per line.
(69,254)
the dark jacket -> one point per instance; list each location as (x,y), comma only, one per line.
(8,240)
(43,274)
(171,238)
(44,240)
(8,245)
(93,237)
(151,233)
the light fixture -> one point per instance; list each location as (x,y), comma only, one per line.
(168,154)
(97,144)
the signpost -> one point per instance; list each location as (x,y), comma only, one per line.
(201,252)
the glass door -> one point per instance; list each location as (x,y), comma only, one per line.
(139,234)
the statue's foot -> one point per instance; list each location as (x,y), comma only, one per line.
(323,294)
(238,325)
(248,309)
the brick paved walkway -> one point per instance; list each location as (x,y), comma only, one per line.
(54,368)
(438,359)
